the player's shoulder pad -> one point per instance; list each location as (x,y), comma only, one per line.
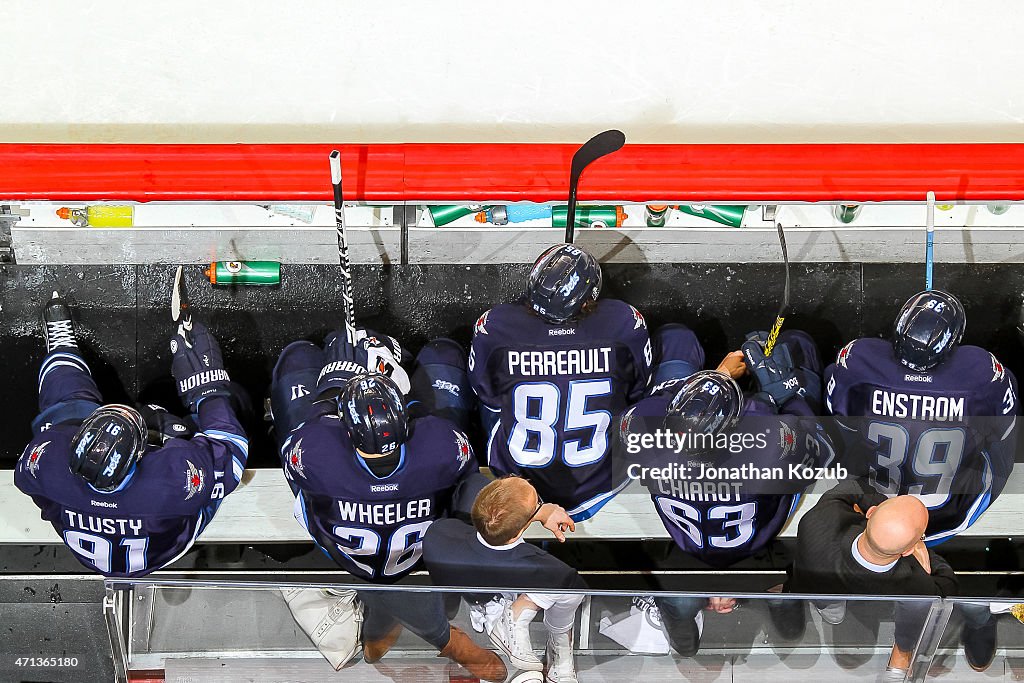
(982,366)
(622,315)
(497,320)
(442,442)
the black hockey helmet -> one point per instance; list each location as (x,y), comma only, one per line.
(707,403)
(372,407)
(108,445)
(563,279)
(928,329)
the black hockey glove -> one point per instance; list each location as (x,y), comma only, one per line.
(775,375)
(162,426)
(197,366)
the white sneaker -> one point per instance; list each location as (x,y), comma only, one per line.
(512,636)
(561,662)
(833,613)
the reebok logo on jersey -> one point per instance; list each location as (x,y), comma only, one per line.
(917,378)
(102,504)
(561,331)
(383,488)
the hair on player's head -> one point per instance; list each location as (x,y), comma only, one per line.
(502,509)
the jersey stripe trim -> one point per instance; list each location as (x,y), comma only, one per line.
(54,365)
(240,441)
(591,507)
(188,546)
(979,506)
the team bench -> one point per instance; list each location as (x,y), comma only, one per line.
(260,511)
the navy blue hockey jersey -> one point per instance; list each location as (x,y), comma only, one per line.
(722,522)
(373,526)
(548,395)
(157,513)
(946,436)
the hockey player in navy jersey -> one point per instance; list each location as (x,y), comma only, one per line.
(130,490)
(551,372)
(370,474)
(723,522)
(935,419)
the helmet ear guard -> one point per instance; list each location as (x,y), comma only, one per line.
(372,407)
(562,281)
(707,403)
(928,329)
(108,445)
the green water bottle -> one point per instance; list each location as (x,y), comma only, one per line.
(590,216)
(846,213)
(656,215)
(244,272)
(731,215)
(445,214)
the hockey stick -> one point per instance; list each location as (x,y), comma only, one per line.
(348,304)
(593,149)
(773,335)
(929,250)
(181,311)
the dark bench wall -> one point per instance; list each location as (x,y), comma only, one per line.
(123,313)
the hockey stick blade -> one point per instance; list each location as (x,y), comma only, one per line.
(593,149)
(181,311)
(773,335)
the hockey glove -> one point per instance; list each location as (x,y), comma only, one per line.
(197,366)
(343,363)
(775,375)
(162,426)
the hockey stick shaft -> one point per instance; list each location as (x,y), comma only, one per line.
(773,334)
(593,149)
(347,300)
(929,250)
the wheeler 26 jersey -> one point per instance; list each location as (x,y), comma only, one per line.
(158,512)
(373,526)
(549,393)
(723,521)
(946,436)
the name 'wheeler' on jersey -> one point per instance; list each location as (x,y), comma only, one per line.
(924,415)
(551,371)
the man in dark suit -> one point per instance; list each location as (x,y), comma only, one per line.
(857,541)
(492,554)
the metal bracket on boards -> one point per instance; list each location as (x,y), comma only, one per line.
(768,212)
(7,219)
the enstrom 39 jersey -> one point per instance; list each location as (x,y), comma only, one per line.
(946,436)
(157,513)
(549,392)
(723,522)
(373,526)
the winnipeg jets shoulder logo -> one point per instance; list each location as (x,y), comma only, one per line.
(195,478)
(787,439)
(33,456)
(465,450)
(481,324)
(295,459)
(844,355)
(625,421)
(998,372)
(638,319)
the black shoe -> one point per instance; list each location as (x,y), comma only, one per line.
(980,644)
(683,634)
(789,618)
(58,329)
